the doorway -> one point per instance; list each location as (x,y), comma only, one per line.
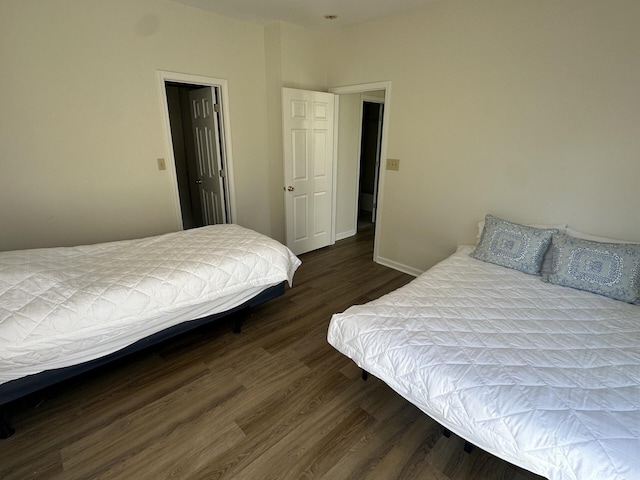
(198,146)
(372,109)
(197,152)
(308,123)
(347,196)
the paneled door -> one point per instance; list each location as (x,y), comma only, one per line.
(308,168)
(205,123)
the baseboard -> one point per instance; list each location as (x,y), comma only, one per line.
(398,266)
(347,234)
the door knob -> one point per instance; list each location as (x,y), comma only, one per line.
(198,182)
(290,188)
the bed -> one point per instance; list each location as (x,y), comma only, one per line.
(541,375)
(66,310)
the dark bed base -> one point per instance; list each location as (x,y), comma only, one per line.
(21,387)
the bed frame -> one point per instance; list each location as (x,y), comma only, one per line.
(17,389)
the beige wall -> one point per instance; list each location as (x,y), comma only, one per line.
(80,118)
(273,76)
(528,110)
(304,57)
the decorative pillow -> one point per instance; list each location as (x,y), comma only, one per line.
(610,269)
(512,245)
(561,227)
(545,267)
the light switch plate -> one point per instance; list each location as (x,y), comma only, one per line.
(393,164)
(162,165)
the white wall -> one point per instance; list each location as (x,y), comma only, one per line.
(80,118)
(273,76)
(304,57)
(527,110)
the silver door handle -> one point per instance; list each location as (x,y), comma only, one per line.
(198,182)
(290,188)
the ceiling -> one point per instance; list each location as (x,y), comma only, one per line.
(307,13)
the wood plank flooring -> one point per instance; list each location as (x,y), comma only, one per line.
(273,402)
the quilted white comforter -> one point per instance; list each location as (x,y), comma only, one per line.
(63,306)
(545,377)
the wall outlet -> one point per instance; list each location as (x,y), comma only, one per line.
(162,165)
(393,164)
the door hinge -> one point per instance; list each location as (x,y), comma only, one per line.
(216,107)
(221,173)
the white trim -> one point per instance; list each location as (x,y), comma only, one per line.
(363,88)
(165,76)
(399,266)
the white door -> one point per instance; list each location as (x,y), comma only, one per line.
(308,168)
(204,117)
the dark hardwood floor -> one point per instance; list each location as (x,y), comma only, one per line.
(273,402)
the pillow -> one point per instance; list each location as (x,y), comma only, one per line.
(545,267)
(561,227)
(587,236)
(610,269)
(512,245)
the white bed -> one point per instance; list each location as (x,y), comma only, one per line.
(543,376)
(64,306)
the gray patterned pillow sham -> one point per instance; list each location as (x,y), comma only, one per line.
(513,245)
(609,269)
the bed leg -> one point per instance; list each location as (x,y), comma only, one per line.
(446,432)
(365,374)
(5,427)
(237,325)
(239,317)
(467,447)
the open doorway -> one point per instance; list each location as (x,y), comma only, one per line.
(372,108)
(362,126)
(346,192)
(198,148)
(198,153)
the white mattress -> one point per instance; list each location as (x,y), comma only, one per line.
(545,377)
(63,306)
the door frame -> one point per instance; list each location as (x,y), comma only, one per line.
(221,84)
(364,88)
